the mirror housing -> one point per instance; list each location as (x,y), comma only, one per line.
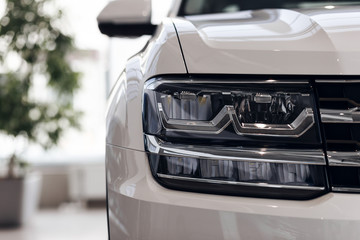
(126,18)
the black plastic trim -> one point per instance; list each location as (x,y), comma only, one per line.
(126,30)
(243,191)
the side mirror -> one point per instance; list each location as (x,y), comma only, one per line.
(126,18)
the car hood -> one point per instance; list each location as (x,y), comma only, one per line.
(276,41)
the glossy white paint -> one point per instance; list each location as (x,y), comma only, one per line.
(161,56)
(141,209)
(175,8)
(322,42)
(126,11)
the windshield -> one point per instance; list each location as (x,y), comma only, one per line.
(194,7)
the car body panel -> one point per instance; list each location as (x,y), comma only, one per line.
(275,41)
(162,55)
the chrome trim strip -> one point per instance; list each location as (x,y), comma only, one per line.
(309,157)
(340,116)
(351,159)
(215,126)
(247,184)
(153,84)
(338,81)
(345,189)
(298,127)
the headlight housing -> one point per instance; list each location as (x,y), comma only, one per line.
(251,138)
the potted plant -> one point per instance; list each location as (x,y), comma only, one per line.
(34,52)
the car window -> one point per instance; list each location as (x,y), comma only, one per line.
(193,7)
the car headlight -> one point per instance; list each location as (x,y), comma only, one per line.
(254,138)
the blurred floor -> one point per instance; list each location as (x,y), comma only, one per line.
(69,223)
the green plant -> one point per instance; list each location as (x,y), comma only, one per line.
(34,49)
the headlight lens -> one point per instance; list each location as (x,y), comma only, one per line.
(250,138)
(231,112)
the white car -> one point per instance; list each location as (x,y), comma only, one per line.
(240,119)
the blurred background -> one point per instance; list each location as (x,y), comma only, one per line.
(72,189)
